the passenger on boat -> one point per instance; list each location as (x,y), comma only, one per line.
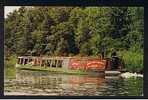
(115,60)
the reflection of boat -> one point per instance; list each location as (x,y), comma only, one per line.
(60,81)
(86,79)
(69,65)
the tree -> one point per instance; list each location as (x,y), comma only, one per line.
(74,30)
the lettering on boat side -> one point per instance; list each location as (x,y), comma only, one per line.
(87,64)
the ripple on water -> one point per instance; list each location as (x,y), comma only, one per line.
(36,83)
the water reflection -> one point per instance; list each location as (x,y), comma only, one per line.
(45,83)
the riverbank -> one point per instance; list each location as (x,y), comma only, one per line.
(9,67)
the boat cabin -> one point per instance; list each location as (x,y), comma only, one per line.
(80,63)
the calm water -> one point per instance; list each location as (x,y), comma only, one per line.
(43,83)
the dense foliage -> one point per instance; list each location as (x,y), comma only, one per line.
(70,31)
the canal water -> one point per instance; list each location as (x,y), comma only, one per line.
(45,83)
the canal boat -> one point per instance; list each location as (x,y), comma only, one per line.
(68,65)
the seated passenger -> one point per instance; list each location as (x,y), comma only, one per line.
(115,60)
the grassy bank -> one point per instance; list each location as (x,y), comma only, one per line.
(133,61)
(9,69)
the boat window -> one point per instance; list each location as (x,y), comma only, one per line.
(53,63)
(26,61)
(60,64)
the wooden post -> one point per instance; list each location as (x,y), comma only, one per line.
(27,61)
(23,61)
(47,62)
(20,62)
(57,63)
(51,63)
(44,62)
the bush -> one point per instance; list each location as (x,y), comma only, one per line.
(133,61)
(10,61)
(10,66)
